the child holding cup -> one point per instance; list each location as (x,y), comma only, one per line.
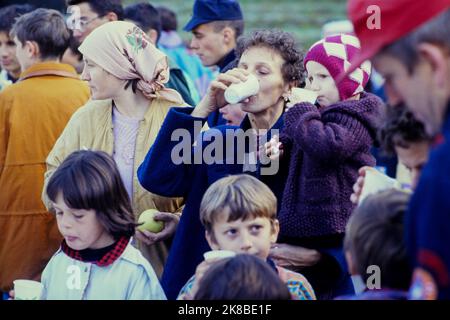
(96,259)
(325,142)
(239,216)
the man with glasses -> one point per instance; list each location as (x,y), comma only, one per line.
(92,14)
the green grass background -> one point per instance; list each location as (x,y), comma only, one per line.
(304,18)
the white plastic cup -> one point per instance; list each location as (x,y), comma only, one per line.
(27,290)
(218,254)
(375,181)
(237,92)
(303,95)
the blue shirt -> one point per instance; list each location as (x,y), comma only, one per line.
(428,225)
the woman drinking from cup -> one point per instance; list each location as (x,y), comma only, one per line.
(274,59)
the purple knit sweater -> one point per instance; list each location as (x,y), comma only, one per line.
(326,148)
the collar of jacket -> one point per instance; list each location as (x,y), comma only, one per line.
(154,106)
(230,57)
(279,124)
(49,69)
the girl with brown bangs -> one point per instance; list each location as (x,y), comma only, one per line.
(94,215)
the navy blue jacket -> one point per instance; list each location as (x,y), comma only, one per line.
(160,175)
(428,223)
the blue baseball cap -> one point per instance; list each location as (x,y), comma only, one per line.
(214,10)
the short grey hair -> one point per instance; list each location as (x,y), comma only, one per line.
(282,43)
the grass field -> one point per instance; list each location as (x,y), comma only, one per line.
(304,18)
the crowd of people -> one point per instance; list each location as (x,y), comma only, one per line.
(106,114)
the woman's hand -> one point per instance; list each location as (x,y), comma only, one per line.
(214,98)
(293,257)
(170,225)
(359,185)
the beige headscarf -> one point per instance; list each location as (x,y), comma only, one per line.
(125,51)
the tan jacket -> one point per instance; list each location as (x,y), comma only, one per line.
(91,127)
(33,113)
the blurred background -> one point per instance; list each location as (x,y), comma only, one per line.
(304,18)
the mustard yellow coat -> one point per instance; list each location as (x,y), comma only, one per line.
(91,127)
(33,113)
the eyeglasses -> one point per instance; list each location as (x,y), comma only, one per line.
(81,24)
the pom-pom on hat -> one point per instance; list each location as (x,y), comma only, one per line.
(335,53)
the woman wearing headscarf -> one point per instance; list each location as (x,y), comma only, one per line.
(126,75)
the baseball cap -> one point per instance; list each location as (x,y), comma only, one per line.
(214,10)
(396,18)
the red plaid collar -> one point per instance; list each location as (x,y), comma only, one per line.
(106,260)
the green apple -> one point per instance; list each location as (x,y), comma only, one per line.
(148,222)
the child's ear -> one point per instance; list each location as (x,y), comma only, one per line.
(350,263)
(275,230)
(211,241)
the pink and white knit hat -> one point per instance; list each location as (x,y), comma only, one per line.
(335,53)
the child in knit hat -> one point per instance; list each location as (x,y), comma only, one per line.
(324,145)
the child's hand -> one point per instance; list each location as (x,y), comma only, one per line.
(12,295)
(170,225)
(359,185)
(200,272)
(273,149)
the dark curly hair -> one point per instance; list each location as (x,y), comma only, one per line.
(400,129)
(282,43)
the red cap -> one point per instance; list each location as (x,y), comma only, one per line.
(379,23)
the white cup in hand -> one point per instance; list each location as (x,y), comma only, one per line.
(27,290)
(218,254)
(375,181)
(238,92)
(299,95)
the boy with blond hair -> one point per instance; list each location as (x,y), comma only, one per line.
(239,215)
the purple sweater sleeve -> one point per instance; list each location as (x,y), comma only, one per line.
(336,139)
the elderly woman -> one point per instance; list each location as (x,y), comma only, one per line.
(274,58)
(126,76)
